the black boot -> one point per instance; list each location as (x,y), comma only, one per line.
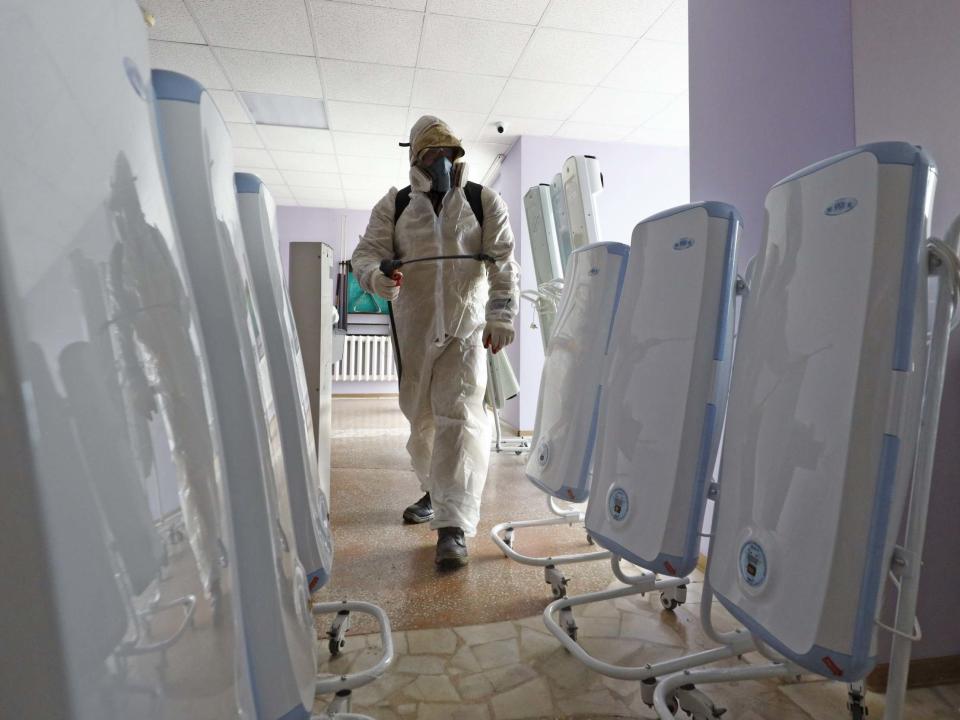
(451,548)
(420,512)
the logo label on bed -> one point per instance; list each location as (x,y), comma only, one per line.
(841,206)
(618,504)
(543,454)
(753,564)
(684,243)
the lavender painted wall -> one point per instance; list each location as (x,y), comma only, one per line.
(639,180)
(905,60)
(771,91)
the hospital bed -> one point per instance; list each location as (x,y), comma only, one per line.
(658,420)
(308,496)
(103,379)
(575,318)
(278,622)
(832,421)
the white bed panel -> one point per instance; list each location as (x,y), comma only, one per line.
(582,182)
(308,501)
(103,381)
(665,386)
(823,416)
(565,428)
(198,156)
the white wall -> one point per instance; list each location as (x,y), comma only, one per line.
(906,65)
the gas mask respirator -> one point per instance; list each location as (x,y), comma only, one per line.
(440,171)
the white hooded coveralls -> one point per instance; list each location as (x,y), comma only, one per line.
(439,320)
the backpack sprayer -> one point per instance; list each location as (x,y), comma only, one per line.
(389,267)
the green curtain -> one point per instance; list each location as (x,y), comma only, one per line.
(360,301)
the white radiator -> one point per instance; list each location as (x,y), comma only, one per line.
(366,358)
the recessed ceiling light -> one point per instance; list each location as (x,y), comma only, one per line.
(288,110)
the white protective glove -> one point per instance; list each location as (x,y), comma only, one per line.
(497,335)
(387,287)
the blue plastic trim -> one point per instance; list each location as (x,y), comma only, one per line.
(582,490)
(909,271)
(714,208)
(886,153)
(247,182)
(169,85)
(815,660)
(297,713)
(699,504)
(727,286)
(624,252)
(873,572)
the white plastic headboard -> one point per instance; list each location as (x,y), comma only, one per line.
(538,209)
(582,182)
(565,430)
(823,415)
(665,388)
(198,156)
(103,381)
(307,497)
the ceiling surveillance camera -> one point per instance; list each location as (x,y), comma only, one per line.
(501,127)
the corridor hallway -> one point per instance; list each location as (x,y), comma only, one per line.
(471,644)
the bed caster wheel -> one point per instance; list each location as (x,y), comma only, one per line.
(855,700)
(668,603)
(568,624)
(556,580)
(508,538)
(338,633)
(590,540)
(647,687)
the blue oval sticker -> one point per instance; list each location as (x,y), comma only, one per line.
(683,243)
(841,206)
(618,504)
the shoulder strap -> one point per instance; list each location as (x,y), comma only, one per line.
(472,190)
(400,203)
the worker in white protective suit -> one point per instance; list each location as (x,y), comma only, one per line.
(445,312)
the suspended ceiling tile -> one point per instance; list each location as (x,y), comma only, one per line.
(305,161)
(230,106)
(370,145)
(415,5)
(367,82)
(367,118)
(526,12)
(676,116)
(536,99)
(456,91)
(466,126)
(273,25)
(515,127)
(471,46)
(280,192)
(594,131)
(371,183)
(367,34)
(361,199)
(573,57)
(308,140)
(619,107)
(266,175)
(298,178)
(173,22)
(615,17)
(672,25)
(244,135)
(388,168)
(196,61)
(318,197)
(271,73)
(651,66)
(252,158)
(651,136)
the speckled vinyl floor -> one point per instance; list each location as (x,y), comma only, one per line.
(471,645)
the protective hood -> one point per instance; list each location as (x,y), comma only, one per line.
(430,131)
